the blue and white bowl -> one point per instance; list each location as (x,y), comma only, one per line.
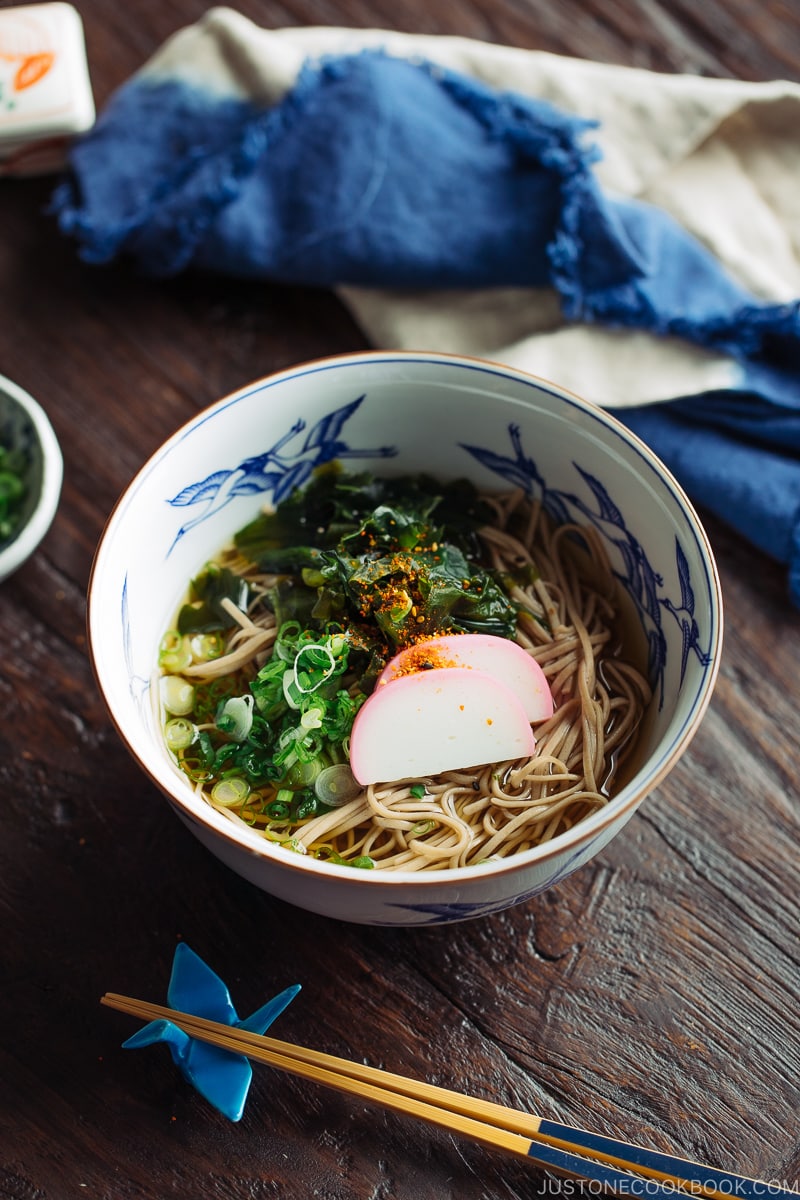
(402,413)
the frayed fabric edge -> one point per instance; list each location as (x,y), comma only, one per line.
(742,334)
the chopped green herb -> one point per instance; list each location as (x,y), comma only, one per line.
(13,490)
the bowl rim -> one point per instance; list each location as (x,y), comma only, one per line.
(29,536)
(585,831)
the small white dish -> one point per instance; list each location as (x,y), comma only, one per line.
(25,427)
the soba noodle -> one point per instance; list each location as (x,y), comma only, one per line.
(569,622)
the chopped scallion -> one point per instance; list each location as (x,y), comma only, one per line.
(205,647)
(279,811)
(313,665)
(363,862)
(336,785)
(179,733)
(311,717)
(177,695)
(174,653)
(421,828)
(303,774)
(291,692)
(306,808)
(230,792)
(235,717)
(327,853)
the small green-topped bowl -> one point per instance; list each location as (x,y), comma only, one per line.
(31,471)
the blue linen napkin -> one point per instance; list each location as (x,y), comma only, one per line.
(377,171)
(730,454)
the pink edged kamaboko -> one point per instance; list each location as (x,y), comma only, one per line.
(449,703)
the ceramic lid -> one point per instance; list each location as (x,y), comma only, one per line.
(45,90)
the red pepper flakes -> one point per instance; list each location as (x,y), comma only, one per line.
(425,655)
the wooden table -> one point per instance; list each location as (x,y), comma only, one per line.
(653,995)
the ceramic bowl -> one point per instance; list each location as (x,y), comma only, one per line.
(403,413)
(26,431)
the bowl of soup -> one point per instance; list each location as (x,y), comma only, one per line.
(31,471)
(404,638)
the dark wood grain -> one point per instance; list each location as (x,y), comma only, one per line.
(653,995)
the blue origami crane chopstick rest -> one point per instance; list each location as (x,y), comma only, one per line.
(222,1076)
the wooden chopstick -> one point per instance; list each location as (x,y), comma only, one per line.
(242,1042)
(563,1148)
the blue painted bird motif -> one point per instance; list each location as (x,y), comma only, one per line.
(279,470)
(222,1076)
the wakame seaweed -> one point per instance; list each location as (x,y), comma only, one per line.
(391,559)
(334,505)
(204,612)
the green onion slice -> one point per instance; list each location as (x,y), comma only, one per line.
(179,733)
(231,791)
(174,652)
(204,647)
(235,717)
(336,785)
(177,695)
